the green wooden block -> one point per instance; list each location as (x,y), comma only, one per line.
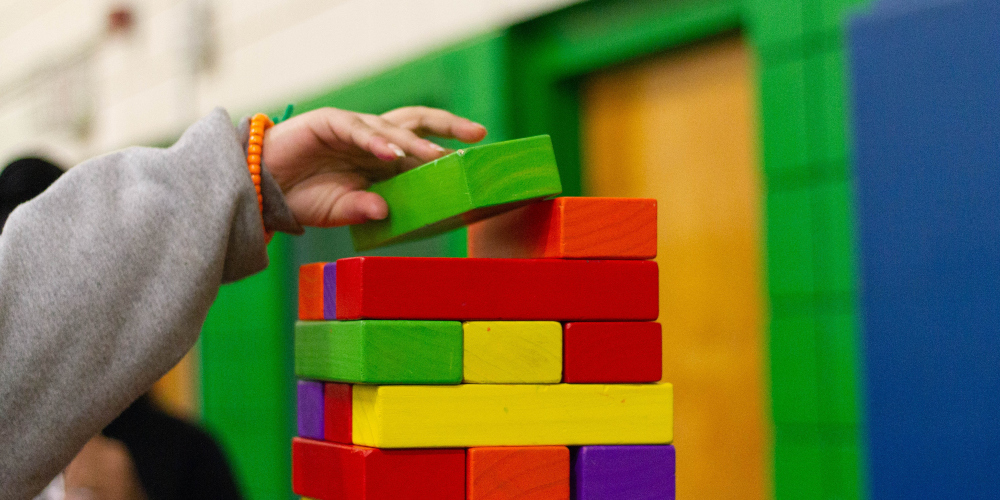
(784,140)
(463,187)
(837,344)
(379,352)
(833,238)
(798,463)
(794,366)
(790,269)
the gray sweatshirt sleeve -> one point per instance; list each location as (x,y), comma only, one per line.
(105,280)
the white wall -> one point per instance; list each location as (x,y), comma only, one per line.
(70,91)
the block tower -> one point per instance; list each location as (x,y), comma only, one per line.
(530,370)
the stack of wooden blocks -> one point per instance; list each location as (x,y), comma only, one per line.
(527,371)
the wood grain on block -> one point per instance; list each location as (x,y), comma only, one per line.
(331,471)
(624,472)
(458,189)
(512,472)
(336,413)
(311,297)
(379,351)
(512,352)
(496,289)
(467,415)
(309,409)
(612,352)
(570,228)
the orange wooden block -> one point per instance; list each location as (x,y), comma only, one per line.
(570,228)
(311,291)
(525,473)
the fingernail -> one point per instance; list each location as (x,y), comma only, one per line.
(435,147)
(398,150)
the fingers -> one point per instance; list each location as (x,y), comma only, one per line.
(385,140)
(412,144)
(323,153)
(424,121)
(397,134)
(350,128)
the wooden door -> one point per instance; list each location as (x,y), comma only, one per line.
(680,128)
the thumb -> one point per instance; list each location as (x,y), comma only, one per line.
(355,207)
(334,199)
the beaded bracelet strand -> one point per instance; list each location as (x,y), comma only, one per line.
(258,124)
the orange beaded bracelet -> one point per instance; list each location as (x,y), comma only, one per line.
(258,124)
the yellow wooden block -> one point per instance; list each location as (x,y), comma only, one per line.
(399,416)
(512,352)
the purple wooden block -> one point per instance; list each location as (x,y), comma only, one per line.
(624,472)
(330,291)
(310,409)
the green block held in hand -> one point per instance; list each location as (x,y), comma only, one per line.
(379,351)
(468,185)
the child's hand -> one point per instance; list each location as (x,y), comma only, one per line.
(325,159)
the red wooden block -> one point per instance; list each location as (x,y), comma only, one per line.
(521,472)
(612,353)
(311,291)
(570,228)
(337,416)
(330,471)
(496,289)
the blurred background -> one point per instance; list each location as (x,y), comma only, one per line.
(737,115)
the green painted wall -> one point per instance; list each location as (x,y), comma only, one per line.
(246,374)
(524,81)
(810,246)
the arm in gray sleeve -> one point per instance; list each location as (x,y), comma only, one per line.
(105,280)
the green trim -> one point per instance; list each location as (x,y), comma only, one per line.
(594,35)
